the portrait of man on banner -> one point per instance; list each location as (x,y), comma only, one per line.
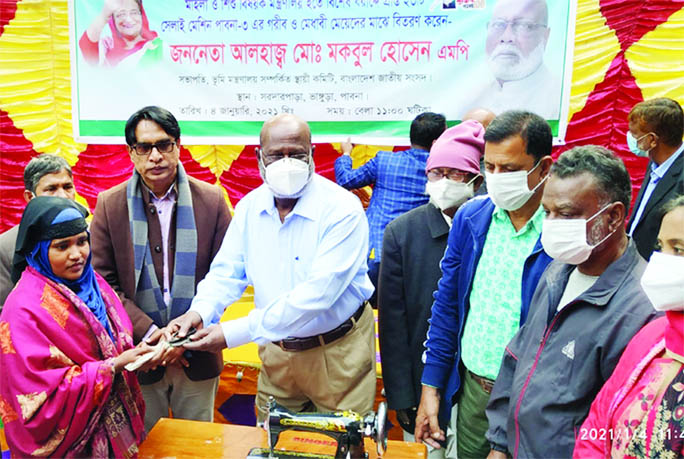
(517,34)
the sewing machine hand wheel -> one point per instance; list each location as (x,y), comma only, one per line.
(380,429)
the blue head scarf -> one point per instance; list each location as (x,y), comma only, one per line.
(72,221)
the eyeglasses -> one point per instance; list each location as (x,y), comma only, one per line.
(520,28)
(122,14)
(271,158)
(163,146)
(456,176)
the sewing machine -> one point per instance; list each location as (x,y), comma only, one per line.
(347,428)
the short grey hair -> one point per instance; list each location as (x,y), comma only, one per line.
(609,171)
(40,166)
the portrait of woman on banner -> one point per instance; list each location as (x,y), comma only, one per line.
(65,339)
(131,41)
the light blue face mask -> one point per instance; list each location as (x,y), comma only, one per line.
(633,145)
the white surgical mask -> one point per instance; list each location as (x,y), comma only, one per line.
(509,190)
(446,193)
(663,282)
(565,240)
(633,145)
(287,177)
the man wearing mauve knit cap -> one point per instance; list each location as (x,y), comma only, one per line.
(490,268)
(413,245)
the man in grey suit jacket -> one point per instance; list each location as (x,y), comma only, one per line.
(45,175)
(413,245)
(656,127)
(153,238)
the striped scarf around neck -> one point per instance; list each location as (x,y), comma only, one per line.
(149,296)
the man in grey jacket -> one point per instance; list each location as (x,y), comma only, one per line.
(587,306)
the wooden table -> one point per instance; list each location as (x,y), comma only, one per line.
(180,438)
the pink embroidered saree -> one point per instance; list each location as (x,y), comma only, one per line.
(639,412)
(59,395)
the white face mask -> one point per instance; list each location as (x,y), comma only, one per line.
(565,240)
(633,145)
(287,177)
(663,282)
(509,190)
(446,193)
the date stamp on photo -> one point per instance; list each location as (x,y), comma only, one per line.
(627,433)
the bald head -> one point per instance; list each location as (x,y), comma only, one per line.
(481,115)
(517,34)
(536,10)
(283,136)
(287,125)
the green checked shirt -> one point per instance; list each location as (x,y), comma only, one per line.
(495,298)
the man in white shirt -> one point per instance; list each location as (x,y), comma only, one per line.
(302,242)
(517,34)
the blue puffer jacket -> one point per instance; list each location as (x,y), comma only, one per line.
(452,298)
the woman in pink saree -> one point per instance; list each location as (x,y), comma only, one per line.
(639,412)
(131,39)
(64,341)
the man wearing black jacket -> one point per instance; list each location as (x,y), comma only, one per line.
(656,127)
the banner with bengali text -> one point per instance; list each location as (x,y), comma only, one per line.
(359,68)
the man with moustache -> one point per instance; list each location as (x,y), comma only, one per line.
(490,269)
(153,239)
(45,175)
(412,247)
(517,35)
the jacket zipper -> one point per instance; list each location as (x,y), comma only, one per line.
(527,381)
